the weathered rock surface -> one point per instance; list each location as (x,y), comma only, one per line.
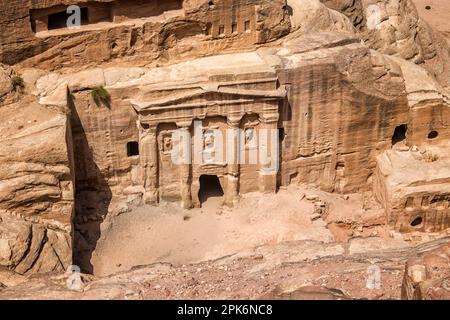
(36,188)
(150,33)
(248,275)
(338,78)
(436,13)
(394,27)
(427,275)
(414,188)
(306,293)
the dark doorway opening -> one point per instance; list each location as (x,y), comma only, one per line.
(59,20)
(281,135)
(399,134)
(209,188)
(132,148)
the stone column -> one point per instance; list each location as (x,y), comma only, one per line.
(185,170)
(149,162)
(231,196)
(268,171)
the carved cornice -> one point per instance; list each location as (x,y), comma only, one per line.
(224,96)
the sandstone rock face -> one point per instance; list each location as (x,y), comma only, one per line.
(435,13)
(156,31)
(322,151)
(346,85)
(427,275)
(394,27)
(312,16)
(36,188)
(414,189)
(5,81)
(28,247)
(327,76)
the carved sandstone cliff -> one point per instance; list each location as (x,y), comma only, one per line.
(340,93)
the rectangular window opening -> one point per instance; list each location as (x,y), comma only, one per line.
(59,20)
(221,29)
(247,26)
(234,28)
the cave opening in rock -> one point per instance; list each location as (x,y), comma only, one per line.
(59,20)
(433,134)
(209,188)
(417,222)
(399,134)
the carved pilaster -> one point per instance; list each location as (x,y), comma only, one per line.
(185,170)
(149,162)
(231,196)
(269,148)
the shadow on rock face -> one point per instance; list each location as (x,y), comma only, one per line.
(92,196)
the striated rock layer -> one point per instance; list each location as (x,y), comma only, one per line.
(36,188)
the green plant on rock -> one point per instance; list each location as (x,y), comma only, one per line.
(100,94)
(17,83)
(431,157)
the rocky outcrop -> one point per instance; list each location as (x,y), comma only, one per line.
(36,188)
(150,33)
(5,81)
(414,188)
(337,78)
(427,275)
(309,16)
(394,27)
(27,247)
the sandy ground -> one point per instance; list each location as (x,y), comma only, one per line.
(270,246)
(303,267)
(170,234)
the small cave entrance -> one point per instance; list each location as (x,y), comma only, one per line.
(417,222)
(59,20)
(433,134)
(209,188)
(399,134)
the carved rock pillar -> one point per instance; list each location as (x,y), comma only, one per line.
(185,170)
(231,196)
(149,163)
(268,148)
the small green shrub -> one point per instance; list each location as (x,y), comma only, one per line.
(17,83)
(100,94)
(431,157)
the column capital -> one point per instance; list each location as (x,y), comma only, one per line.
(185,123)
(234,121)
(269,118)
(147,127)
